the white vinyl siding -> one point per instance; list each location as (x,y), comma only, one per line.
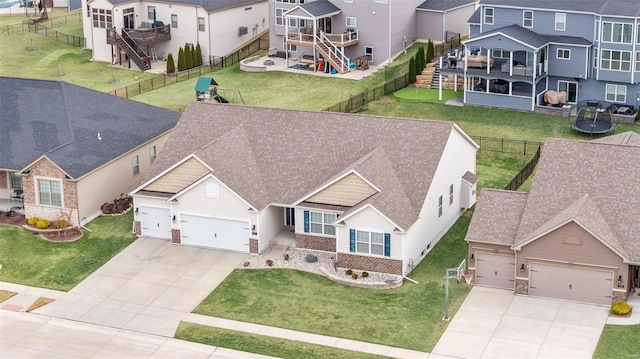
(50,192)
(561,21)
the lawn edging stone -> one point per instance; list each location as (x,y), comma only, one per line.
(390,284)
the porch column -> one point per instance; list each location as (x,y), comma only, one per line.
(440,82)
(488,61)
(510,63)
(315,54)
(533,81)
(455,79)
(286,39)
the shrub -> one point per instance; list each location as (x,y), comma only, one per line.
(32,221)
(188,57)
(365,274)
(182,63)
(431,53)
(354,276)
(412,70)
(269,262)
(199,54)
(61,223)
(348,272)
(171,65)
(9,213)
(43,223)
(310,258)
(286,256)
(620,307)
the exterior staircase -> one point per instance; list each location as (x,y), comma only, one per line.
(430,78)
(135,52)
(331,53)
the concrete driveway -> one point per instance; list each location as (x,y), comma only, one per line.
(493,323)
(148,287)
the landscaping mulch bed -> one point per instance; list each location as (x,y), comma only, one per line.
(68,235)
(16,219)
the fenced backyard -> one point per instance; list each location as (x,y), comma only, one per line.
(51,22)
(525,173)
(55,35)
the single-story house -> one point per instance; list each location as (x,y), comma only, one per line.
(68,150)
(575,235)
(377,191)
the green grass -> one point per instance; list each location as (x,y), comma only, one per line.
(28,259)
(259,344)
(496,170)
(415,94)
(18,18)
(409,316)
(618,342)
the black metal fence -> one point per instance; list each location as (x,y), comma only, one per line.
(524,174)
(215,63)
(454,40)
(51,23)
(506,146)
(55,35)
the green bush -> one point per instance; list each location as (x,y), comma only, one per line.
(310,258)
(61,223)
(199,54)
(43,223)
(182,62)
(365,274)
(431,53)
(9,213)
(412,70)
(171,65)
(348,272)
(354,276)
(32,221)
(188,56)
(620,307)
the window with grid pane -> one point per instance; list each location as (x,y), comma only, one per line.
(50,192)
(370,242)
(322,223)
(16,181)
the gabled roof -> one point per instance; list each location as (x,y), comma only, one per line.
(443,5)
(529,38)
(626,138)
(78,129)
(475,17)
(626,8)
(496,217)
(280,156)
(319,8)
(209,5)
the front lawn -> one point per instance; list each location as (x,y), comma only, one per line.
(618,341)
(28,259)
(264,345)
(408,317)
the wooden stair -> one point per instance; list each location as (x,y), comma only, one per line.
(136,54)
(332,54)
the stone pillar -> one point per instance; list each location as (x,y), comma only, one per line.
(522,286)
(175,236)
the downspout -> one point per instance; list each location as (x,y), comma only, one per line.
(389,56)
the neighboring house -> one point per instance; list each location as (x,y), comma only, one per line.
(574,236)
(376,29)
(125,31)
(71,149)
(588,48)
(379,192)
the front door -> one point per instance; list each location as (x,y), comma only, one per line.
(571,88)
(289,217)
(128,18)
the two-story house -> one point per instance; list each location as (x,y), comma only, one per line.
(342,30)
(132,32)
(519,50)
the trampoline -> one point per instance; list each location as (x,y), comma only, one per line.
(593,116)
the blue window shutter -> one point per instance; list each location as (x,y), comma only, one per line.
(387,245)
(352,240)
(306,221)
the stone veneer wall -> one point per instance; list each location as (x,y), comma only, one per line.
(137,230)
(372,264)
(318,243)
(175,236)
(522,286)
(618,295)
(253,246)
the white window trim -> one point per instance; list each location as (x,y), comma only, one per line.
(175,26)
(500,53)
(323,223)
(276,17)
(610,59)
(524,19)
(135,165)
(615,93)
(567,51)
(597,29)
(637,61)
(10,177)
(351,18)
(153,153)
(451,194)
(150,12)
(369,231)
(440,203)
(611,40)
(51,179)
(563,22)
(204,24)
(484,16)
(568,82)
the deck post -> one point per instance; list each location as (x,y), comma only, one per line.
(440,81)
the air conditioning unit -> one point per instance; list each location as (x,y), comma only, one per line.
(243,30)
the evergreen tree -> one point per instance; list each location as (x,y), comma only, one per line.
(188,56)
(419,62)
(423,57)
(182,63)
(171,66)
(199,54)
(430,51)
(412,70)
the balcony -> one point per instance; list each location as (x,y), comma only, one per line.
(150,36)
(503,70)
(304,37)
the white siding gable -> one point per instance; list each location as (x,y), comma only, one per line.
(368,219)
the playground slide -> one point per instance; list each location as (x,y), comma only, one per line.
(217,97)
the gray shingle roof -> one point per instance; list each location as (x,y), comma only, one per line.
(320,7)
(602,7)
(626,138)
(443,5)
(530,38)
(280,156)
(475,17)
(62,121)
(209,5)
(496,217)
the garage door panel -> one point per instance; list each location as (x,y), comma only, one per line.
(495,270)
(155,222)
(571,283)
(215,233)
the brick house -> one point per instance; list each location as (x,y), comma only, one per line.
(69,149)
(377,191)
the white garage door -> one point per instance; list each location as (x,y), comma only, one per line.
(155,222)
(215,233)
(570,283)
(495,270)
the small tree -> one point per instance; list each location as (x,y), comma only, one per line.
(182,63)
(419,62)
(188,56)
(412,70)
(199,54)
(430,51)
(171,66)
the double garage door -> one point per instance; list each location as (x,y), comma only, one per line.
(214,233)
(570,283)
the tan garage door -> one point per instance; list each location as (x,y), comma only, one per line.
(495,270)
(571,283)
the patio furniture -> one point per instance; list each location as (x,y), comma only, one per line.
(17,195)
(478,61)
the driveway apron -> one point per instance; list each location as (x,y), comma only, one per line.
(494,323)
(149,287)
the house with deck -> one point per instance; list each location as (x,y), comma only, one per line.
(237,177)
(66,150)
(134,32)
(341,31)
(517,51)
(574,235)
